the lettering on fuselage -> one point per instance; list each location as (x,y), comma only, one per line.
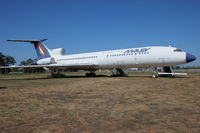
(136,50)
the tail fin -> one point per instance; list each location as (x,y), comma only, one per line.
(41,49)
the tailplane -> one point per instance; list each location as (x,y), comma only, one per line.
(44,56)
(41,49)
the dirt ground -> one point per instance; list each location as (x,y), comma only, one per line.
(138,103)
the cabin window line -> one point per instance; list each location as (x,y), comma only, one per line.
(127,54)
(111,55)
(77,58)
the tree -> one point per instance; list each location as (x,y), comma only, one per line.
(1,59)
(22,63)
(27,62)
(6,60)
(30,61)
(9,60)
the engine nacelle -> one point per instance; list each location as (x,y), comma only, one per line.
(46,61)
(58,52)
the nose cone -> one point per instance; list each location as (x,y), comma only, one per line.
(190,58)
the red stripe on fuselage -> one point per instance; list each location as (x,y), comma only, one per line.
(42,48)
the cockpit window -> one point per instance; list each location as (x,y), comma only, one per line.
(177,50)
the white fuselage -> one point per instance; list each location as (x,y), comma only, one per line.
(151,56)
(154,56)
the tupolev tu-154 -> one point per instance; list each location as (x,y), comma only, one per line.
(121,59)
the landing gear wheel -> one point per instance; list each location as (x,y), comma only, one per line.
(87,74)
(154,76)
(90,74)
(171,76)
(93,74)
(57,75)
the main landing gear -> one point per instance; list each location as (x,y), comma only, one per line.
(119,73)
(57,75)
(91,74)
(155,76)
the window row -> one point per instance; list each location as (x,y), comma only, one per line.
(78,58)
(126,54)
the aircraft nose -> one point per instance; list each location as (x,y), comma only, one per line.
(190,58)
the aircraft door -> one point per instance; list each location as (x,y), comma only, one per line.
(107,60)
(136,61)
(163,61)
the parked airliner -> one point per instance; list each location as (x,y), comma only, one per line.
(151,56)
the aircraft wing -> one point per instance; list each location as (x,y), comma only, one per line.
(58,66)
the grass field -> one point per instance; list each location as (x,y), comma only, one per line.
(39,104)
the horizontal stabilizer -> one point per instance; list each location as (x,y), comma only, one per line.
(31,41)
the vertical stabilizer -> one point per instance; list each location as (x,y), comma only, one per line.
(41,50)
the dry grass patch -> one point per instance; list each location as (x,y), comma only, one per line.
(102,104)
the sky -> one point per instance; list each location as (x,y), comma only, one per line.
(94,25)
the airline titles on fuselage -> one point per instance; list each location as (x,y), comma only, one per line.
(136,50)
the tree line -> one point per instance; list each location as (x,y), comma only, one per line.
(6,60)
